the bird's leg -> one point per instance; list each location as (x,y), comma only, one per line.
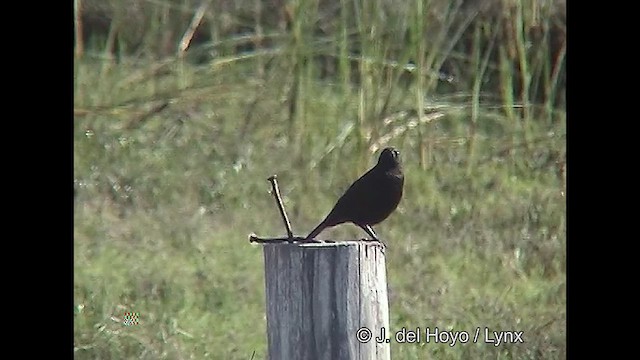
(369,230)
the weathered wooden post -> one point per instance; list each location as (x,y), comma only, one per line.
(320,297)
(324,300)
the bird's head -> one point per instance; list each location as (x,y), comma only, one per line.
(389,158)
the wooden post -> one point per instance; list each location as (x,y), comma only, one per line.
(319,295)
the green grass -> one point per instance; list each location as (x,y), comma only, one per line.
(165,199)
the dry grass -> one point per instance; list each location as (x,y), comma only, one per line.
(172,156)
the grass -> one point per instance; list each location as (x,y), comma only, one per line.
(171,160)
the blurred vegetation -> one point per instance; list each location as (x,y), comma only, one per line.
(184,108)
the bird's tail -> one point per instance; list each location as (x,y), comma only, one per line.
(316,231)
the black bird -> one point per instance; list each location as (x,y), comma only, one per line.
(371,198)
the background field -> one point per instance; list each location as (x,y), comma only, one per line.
(183,109)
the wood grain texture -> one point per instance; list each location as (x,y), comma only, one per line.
(319,295)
